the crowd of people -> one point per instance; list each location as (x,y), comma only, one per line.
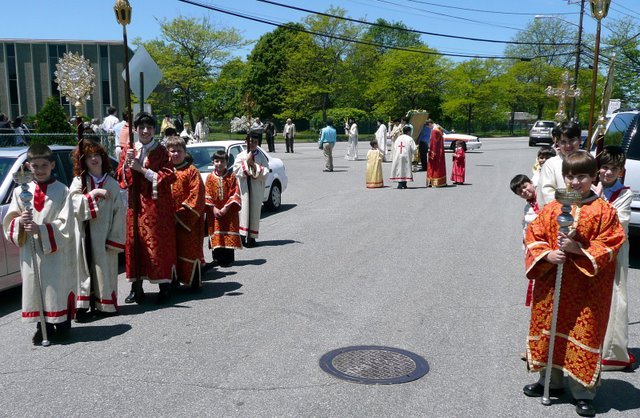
(156,208)
(591,334)
(396,144)
(13,132)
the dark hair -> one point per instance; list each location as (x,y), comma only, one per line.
(86,147)
(169,132)
(555,133)
(380,121)
(396,120)
(144,117)
(175,141)
(517,182)
(17,122)
(406,129)
(329,122)
(219,155)
(428,121)
(111,110)
(405,119)
(36,151)
(613,155)
(580,162)
(373,142)
(570,129)
(546,152)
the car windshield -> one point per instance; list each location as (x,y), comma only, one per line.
(545,124)
(202,157)
(5,166)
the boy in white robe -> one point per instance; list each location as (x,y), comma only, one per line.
(100,214)
(51,224)
(251,168)
(615,354)
(402,157)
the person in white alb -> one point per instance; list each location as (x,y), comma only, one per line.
(351,129)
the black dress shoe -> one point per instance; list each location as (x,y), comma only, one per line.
(131,298)
(584,408)
(163,294)
(83,315)
(37,337)
(536,390)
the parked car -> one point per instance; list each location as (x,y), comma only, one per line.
(11,159)
(623,129)
(276,182)
(541,132)
(473,142)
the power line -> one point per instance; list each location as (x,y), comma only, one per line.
(363,42)
(487,11)
(454,17)
(382,25)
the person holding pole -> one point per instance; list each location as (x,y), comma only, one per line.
(251,168)
(151,237)
(586,257)
(48,285)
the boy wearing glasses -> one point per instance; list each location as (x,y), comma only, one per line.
(567,138)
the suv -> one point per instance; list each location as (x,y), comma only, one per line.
(541,132)
(623,129)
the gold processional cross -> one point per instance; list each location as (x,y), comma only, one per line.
(563,93)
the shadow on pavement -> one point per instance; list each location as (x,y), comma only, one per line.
(10,301)
(616,394)
(179,296)
(276,242)
(255,262)
(81,333)
(283,208)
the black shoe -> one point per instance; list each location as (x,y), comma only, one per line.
(131,298)
(102,314)
(62,330)
(196,283)
(37,337)
(536,390)
(83,315)
(163,294)
(136,295)
(251,242)
(584,408)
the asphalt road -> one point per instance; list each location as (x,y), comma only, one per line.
(438,272)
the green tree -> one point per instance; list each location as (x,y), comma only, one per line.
(393,34)
(267,65)
(473,93)
(189,52)
(224,95)
(407,80)
(314,70)
(625,43)
(52,118)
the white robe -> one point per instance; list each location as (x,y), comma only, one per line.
(251,205)
(381,138)
(352,147)
(551,178)
(616,340)
(402,157)
(54,254)
(107,222)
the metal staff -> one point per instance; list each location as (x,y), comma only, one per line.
(565,220)
(23,178)
(122,9)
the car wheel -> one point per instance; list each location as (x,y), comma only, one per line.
(275,197)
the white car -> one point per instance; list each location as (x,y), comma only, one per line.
(473,142)
(276,179)
(623,129)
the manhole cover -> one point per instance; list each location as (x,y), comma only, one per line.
(374,365)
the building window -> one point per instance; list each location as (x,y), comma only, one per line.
(105,86)
(56,51)
(12,73)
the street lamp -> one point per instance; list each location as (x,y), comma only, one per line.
(599,10)
(576,69)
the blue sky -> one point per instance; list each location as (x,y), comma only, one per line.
(94,19)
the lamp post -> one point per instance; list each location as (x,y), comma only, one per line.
(599,10)
(576,70)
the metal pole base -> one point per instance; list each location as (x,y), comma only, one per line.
(46,343)
(546,401)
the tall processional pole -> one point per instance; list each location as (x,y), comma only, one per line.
(122,9)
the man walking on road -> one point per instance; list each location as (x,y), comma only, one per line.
(326,143)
